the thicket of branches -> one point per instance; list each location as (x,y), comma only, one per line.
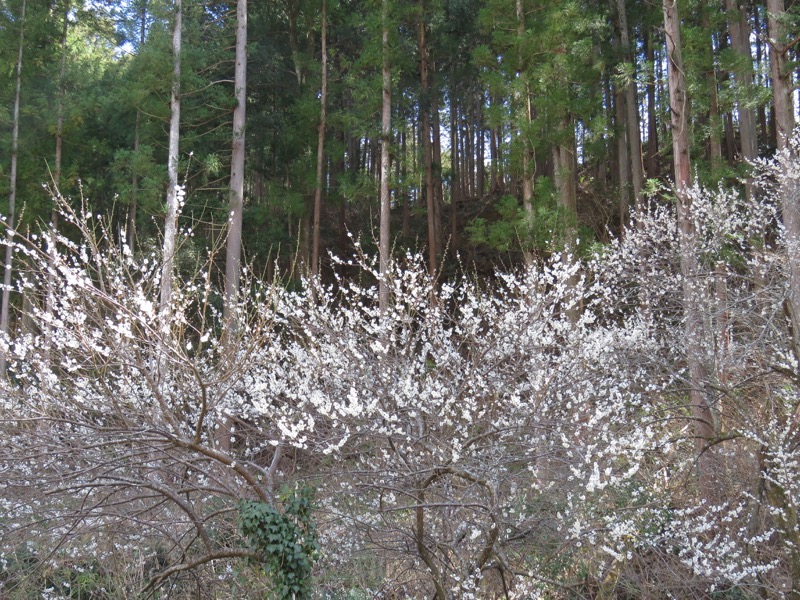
(518,438)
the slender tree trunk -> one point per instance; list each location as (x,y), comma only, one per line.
(386,140)
(456,184)
(427,145)
(404,178)
(524,110)
(323,102)
(714,121)
(480,141)
(60,109)
(438,190)
(50,291)
(137,137)
(12,192)
(652,122)
(292,8)
(233,246)
(173,191)
(623,159)
(494,151)
(761,79)
(693,324)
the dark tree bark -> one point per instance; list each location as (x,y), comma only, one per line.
(425,107)
(323,111)
(781,74)
(632,133)
(739,29)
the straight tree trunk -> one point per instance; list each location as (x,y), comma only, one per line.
(323,108)
(386,140)
(50,294)
(233,249)
(652,122)
(623,159)
(60,109)
(427,145)
(479,188)
(173,191)
(714,142)
(740,43)
(12,192)
(233,246)
(761,79)
(438,189)
(565,168)
(693,324)
(790,199)
(130,235)
(781,75)
(456,184)
(406,188)
(631,110)
(524,110)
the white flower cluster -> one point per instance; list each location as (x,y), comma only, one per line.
(544,424)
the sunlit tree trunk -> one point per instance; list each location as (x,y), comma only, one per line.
(233,248)
(386,139)
(12,191)
(693,323)
(173,196)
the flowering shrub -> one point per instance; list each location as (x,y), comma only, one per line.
(533,436)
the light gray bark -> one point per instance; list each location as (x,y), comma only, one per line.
(173,196)
(386,138)
(12,192)
(233,248)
